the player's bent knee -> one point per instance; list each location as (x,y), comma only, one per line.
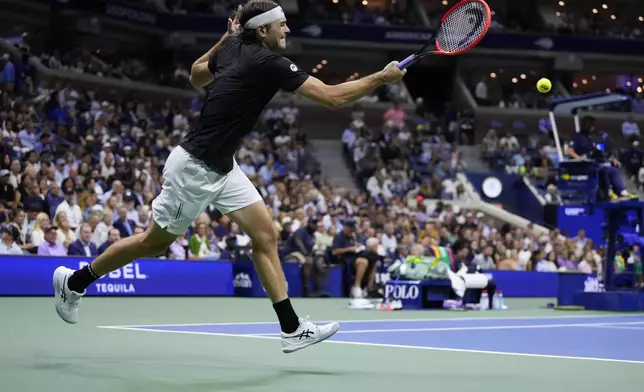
(154,245)
(362,261)
(266,238)
(156,240)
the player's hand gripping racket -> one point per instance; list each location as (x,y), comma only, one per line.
(461,29)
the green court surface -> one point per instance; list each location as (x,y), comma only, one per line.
(40,353)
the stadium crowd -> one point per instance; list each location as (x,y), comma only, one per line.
(400,170)
(78,173)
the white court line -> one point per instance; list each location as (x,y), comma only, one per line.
(458,350)
(484,328)
(396,320)
(614,326)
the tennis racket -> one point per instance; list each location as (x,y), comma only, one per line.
(461,29)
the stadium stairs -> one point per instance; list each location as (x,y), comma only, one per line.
(329,154)
(472,158)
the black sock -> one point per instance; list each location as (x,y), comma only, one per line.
(288,319)
(81,279)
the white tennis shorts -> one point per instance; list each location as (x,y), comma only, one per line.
(190,186)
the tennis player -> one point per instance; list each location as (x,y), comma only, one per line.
(242,72)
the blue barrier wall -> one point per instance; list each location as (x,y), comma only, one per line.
(32,275)
(571,218)
(526,284)
(515,196)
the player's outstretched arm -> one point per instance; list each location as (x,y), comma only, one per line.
(335,96)
(200,74)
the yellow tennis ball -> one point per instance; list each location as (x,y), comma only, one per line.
(544,85)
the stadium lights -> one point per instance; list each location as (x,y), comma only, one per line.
(558,13)
(595,11)
(523,76)
(608,90)
(594,77)
(493,75)
(561,3)
(639,80)
(335,1)
(604,6)
(575,85)
(319,66)
(445,2)
(613,17)
(365,2)
(639,90)
(315,70)
(584,81)
(515,80)
(324,62)
(641,18)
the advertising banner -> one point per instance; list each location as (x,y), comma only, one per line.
(32,275)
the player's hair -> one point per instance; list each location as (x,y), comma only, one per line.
(251,10)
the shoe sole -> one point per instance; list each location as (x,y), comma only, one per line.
(289,350)
(57,289)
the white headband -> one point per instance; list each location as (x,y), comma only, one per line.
(268,17)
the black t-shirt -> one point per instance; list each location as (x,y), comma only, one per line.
(7,193)
(246,77)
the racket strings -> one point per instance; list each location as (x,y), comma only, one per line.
(462,27)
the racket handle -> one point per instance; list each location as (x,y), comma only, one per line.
(407,62)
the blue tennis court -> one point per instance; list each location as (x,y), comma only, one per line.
(232,345)
(601,338)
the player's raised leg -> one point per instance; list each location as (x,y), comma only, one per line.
(242,203)
(187,189)
(70,285)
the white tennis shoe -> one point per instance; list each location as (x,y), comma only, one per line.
(307,334)
(67,301)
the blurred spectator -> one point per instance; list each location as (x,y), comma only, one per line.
(83,246)
(177,250)
(630,129)
(64,233)
(69,207)
(38,233)
(9,246)
(7,73)
(199,244)
(113,236)
(51,246)
(123,224)
(365,264)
